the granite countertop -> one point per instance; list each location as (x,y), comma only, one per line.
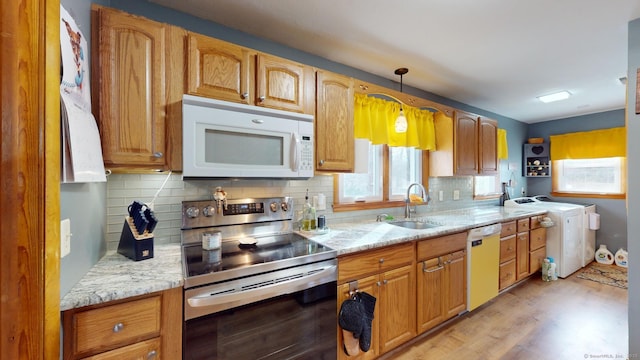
(353,237)
(117,277)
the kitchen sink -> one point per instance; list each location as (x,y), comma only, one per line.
(412,224)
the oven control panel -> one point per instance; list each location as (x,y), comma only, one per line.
(206,213)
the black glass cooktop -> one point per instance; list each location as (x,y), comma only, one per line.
(234,255)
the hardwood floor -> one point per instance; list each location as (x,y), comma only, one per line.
(566,319)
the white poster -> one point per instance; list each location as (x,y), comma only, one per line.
(81,150)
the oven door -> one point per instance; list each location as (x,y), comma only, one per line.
(301,325)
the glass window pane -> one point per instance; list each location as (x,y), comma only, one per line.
(404,169)
(367,187)
(590,175)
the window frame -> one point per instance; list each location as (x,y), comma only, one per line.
(555,183)
(385,203)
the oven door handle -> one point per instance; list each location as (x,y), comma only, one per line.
(223,301)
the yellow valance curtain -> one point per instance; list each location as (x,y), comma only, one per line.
(374,119)
(590,144)
(503,148)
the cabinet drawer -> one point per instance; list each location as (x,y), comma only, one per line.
(508,228)
(507,248)
(523,225)
(535,221)
(535,259)
(507,273)
(119,324)
(149,349)
(430,248)
(370,262)
(537,238)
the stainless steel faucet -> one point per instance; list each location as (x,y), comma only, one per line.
(425,198)
(381,217)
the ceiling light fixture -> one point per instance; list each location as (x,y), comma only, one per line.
(401,121)
(561,95)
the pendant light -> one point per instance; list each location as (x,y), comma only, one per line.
(401,121)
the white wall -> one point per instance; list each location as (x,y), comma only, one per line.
(633,197)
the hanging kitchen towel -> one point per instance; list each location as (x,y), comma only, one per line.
(368,305)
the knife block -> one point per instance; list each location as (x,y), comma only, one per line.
(133,245)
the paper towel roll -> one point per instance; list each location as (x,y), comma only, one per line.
(594,221)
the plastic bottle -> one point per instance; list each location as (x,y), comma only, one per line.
(553,270)
(309,215)
(604,256)
(546,266)
(622,258)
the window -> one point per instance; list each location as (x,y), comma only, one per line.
(602,176)
(404,167)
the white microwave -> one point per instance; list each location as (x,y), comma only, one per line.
(222,139)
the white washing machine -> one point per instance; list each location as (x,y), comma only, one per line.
(565,239)
(589,237)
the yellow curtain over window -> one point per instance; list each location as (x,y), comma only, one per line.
(503,148)
(374,119)
(590,144)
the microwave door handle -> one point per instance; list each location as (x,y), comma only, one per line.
(294,153)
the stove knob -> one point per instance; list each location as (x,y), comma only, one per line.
(274,207)
(209,211)
(284,206)
(192,212)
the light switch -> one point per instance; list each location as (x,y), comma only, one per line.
(456,194)
(441,195)
(65,237)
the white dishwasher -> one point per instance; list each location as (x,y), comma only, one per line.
(483,267)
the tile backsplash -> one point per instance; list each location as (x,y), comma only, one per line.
(123,189)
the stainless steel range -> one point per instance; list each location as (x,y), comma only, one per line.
(265,292)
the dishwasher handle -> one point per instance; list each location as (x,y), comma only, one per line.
(485,231)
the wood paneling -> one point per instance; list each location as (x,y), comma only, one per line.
(30,202)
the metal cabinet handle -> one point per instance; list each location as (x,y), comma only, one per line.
(158,154)
(321,162)
(152,354)
(261,98)
(118,327)
(381,260)
(378,283)
(385,282)
(425,269)
(245,95)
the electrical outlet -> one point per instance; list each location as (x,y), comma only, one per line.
(456,194)
(441,195)
(65,237)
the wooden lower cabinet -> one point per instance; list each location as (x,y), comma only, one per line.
(522,256)
(143,327)
(442,285)
(523,247)
(537,248)
(389,275)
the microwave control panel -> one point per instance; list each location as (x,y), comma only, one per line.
(306,153)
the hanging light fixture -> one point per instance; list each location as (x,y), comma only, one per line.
(401,121)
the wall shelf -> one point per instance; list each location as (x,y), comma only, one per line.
(536,160)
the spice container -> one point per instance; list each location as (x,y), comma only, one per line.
(211,240)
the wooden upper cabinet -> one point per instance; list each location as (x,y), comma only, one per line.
(488,146)
(334,122)
(465,140)
(129,89)
(466,145)
(284,84)
(220,70)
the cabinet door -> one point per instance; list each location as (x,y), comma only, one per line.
(334,122)
(456,284)
(431,288)
(535,259)
(284,84)
(220,70)
(129,89)
(465,143)
(369,285)
(488,146)
(397,307)
(522,259)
